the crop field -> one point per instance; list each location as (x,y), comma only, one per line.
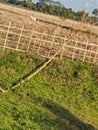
(19,17)
(63,95)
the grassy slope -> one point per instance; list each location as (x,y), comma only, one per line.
(63,96)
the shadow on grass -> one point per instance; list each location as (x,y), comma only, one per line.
(64,119)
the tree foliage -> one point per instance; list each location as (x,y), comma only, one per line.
(95,12)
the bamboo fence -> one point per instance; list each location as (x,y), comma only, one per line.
(46,45)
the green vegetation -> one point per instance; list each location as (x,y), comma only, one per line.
(63,96)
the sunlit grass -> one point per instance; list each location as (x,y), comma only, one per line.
(63,96)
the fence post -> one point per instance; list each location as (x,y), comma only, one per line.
(40,43)
(62,52)
(29,41)
(85,50)
(19,37)
(53,39)
(7,35)
(95,57)
(73,55)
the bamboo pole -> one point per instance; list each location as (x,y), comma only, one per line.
(95,57)
(34,73)
(7,35)
(73,55)
(29,41)
(84,56)
(64,45)
(20,37)
(2,90)
(31,75)
(53,39)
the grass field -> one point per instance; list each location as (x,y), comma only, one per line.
(63,96)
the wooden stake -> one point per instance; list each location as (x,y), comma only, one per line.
(96,53)
(74,50)
(29,41)
(62,52)
(20,37)
(40,43)
(7,35)
(53,39)
(31,75)
(85,51)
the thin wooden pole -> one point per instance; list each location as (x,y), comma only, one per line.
(85,51)
(62,52)
(40,43)
(34,39)
(96,54)
(73,55)
(34,73)
(31,75)
(52,42)
(29,41)
(19,37)
(2,90)
(7,35)
(90,53)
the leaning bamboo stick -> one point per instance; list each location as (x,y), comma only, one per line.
(31,75)
(2,90)
(37,71)
(44,65)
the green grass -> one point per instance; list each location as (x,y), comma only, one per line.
(63,96)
